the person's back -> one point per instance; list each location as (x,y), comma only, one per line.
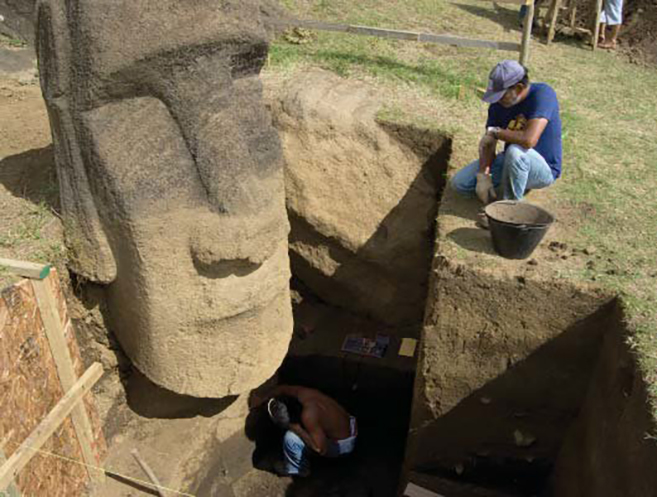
(332,417)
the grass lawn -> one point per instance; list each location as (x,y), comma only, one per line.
(609,113)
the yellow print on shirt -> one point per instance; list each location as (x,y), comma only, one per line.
(518,124)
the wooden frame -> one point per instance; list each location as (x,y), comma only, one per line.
(402,35)
(55,333)
(50,423)
(596,28)
(527,32)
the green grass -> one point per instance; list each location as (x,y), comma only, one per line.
(609,113)
(11,42)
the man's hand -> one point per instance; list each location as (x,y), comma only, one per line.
(485,190)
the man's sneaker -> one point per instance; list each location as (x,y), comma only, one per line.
(280,470)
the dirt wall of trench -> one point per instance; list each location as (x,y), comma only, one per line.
(504,364)
(611,449)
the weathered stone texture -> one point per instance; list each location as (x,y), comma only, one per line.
(172,183)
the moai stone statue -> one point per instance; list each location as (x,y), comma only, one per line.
(171,182)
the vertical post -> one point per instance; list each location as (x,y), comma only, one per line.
(596,28)
(67,377)
(556,4)
(573,15)
(527,33)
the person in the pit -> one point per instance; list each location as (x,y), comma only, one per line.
(525,116)
(314,423)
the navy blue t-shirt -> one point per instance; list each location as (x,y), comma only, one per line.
(540,103)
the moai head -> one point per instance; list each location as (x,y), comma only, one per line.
(171,182)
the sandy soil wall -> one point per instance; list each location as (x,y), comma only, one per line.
(609,450)
(504,365)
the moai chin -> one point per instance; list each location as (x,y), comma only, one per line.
(171,182)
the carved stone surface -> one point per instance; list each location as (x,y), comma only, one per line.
(171,182)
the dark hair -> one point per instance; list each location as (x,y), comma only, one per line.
(284,410)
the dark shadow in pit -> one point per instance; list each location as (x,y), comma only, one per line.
(152,401)
(473,239)
(32,175)
(378,392)
(506,435)
(387,277)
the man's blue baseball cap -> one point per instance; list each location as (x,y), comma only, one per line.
(503,76)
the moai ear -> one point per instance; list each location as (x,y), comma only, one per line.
(90,255)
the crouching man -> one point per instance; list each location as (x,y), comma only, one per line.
(526,118)
(313,423)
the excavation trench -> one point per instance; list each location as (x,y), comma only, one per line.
(519,386)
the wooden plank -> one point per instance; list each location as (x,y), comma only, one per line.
(596,28)
(149,472)
(384,33)
(400,35)
(26,269)
(48,425)
(11,490)
(469,42)
(553,20)
(55,333)
(527,34)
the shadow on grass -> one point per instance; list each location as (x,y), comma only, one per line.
(509,19)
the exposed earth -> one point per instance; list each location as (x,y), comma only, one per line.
(504,406)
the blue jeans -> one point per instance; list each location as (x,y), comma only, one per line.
(516,170)
(296,455)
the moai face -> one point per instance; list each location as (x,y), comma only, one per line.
(172,183)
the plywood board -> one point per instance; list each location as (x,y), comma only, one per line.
(30,388)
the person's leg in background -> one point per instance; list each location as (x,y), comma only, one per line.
(612,16)
(524,170)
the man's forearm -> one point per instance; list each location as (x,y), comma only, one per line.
(305,436)
(515,137)
(487,150)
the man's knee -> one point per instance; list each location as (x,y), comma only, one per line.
(514,158)
(293,441)
(462,183)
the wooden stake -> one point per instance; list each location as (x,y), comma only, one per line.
(26,269)
(596,28)
(49,425)
(149,472)
(573,15)
(527,33)
(56,338)
(556,4)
